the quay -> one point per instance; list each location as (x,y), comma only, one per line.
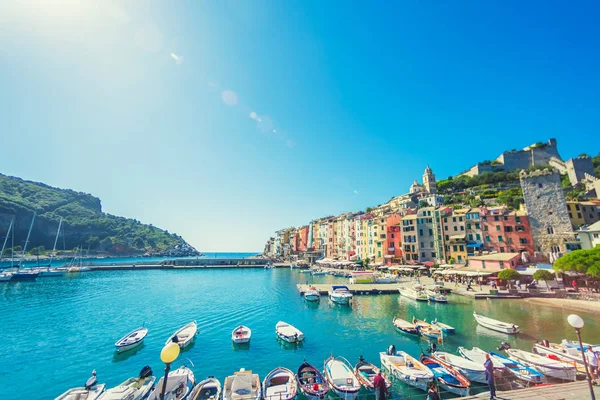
(184,264)
(562,391)
(357,288)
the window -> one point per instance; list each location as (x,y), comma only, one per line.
(423,254)
(447,237)
(540,185)
(485,228)
(506,217)
(430,232)
(430,244)
(421,232)
(391,244)
(578,215)
(460,219)
(422,244)
(523,240)
(483,264)
(488,239)
(550,230)
(468,226)
(496,218)
(455,228)
(500,238)
(392,235)
(461,247)
(470,236)
(501,249)
(497,227)
(455,248)
(477,236)
(509,240)
(446,227)
(501,263)
(378,254)
(508,229)
(462,228)
(595,236)
(484,219)
(570,216)
(445,219)
(453,219)
(577,207)
(433,254)
(477,226)
(517,219)
(459,258)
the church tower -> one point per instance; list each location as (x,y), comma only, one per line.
(429,181)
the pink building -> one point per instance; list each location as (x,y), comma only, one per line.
(495,262)
(506,231)
(393,254)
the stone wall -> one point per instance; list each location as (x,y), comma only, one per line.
(578,167)
(547,209)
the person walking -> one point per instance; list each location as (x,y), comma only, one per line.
(592,357)
(489,375)
(432,393)
(381,390)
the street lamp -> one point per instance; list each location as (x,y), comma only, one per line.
(168,354)
(577,322)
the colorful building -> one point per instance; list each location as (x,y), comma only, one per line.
(426,234)
(393,244)
(495,262)
(455,236)
(582,213)
(506,231)
(410,245)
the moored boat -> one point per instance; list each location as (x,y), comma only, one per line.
(131,340)
(311,382)
(558,352)
(280,384)
(340,294)
(184,336)
(414,293)
(208,389)
(90,391)
(547,366)
(288,333)
(428,330)
(241,334)
(312,294)
(45,272)
(496,325)
(404,326)
(448,378)
(406,368)
(5,276)
(478,356)
(473,371)
(242,385)
(318,271)
(341,379)
(366,373)
(520,370)
(436,296)
(179,385)
(444,327)
(133,388)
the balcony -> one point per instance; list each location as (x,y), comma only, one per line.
(391,249)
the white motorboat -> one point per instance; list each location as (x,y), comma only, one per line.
(414,293)
(496,325)
(242,385)
(312,294)
(341,378)
(45,272)
(208,389)
(520,370)
(185,335)
(179,385)
(471,370)
(340,294)
(407,369)
(478,357)
(569,355)
(91,390)
(444,327)
(318,271)
(131,340)
(547,366)
(280,384)
(133,388)
(5,276)
(436,296)
(241,334)
(288,333)
(386,278)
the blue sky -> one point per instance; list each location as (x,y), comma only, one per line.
(226,120)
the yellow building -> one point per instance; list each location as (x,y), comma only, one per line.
(582,213)
(455,236)
(410,242)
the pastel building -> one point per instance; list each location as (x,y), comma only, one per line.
(426,235)
(393,243)
(495,262)
(473,230)
(589,236)
(410,245)
(506,231)
(582,213)
(455,236)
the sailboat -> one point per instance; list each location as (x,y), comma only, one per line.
(49,271)
(6,276)
(20,275)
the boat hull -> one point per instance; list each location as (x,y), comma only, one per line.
(491,324)
(411,380)
(122,349)
(23,276)
(312,297)
(340,300)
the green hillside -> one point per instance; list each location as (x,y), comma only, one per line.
(84,223)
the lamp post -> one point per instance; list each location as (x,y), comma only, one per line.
(577,322)
(168,354)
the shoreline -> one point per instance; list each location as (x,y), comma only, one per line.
(566,304)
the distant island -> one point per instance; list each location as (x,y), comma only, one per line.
(85,225)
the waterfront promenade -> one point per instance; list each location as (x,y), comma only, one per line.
(564,391)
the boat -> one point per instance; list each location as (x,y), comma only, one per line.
(573,344)
(428,330)
(241,334)
(404,326)
(179,385)
(520,370)
(386,278)
(444,327)
(133,388)
(91,390)
(318,271)
(131,340)
(341,379)
(19,274)
(496,325)
(478,356)
(366,372)
(362,277)
(242,385)
(448,378)
(406,368)
(49,271)
(288,333)
(414,293)
(311,382)
(304,271)
(5,276)
(312,294)
(473,371)
(184,336)
(340,294)
(280,384)
(436,296)
(547,366)
(208,389)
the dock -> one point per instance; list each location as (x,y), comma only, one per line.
(561,391)
(357,288)
(185,263)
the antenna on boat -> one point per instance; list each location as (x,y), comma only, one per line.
(6,238)
(191,362)
(55,241)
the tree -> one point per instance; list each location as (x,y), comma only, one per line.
(509,275)
(365,263)
(583,261)
(38,251)
(92,242)
(543,275)
(369,209)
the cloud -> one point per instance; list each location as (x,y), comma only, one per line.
(178,59)
(229,97)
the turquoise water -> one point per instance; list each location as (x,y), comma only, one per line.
(56,330)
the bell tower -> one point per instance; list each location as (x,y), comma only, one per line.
(429,181)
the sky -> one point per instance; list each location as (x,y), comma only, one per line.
(224,121)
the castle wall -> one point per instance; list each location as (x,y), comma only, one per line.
(578,167)
(515,160)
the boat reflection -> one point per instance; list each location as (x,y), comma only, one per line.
(118,357)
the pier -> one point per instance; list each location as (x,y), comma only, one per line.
(561,391)
(357,288)
(184,264)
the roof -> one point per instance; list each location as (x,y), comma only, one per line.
(595,227)
(496,257)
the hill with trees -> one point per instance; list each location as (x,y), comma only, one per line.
(84,223)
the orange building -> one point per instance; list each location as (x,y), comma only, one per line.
(393,244)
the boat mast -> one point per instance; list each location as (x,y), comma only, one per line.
(6,238)
(27,240)
(55,241)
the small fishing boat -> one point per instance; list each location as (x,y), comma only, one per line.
(5,276)
(312,294)
(242,385)
(317,271)
(241,334)
(573,344)
(91,390)
(478,356)
(404,326)
(448,378)
(496,325)
(473,371)
(547,366)
(45,272)
(312,383)
(428,330)
(444,327)
(304,271)
(366,373)
(406,368)
(340,294)
(179,385)
(131,340)
(436,296)
(280,384)
(559,352)
(414,293)
(288,333)
(133,388)
(184,336)
(341,379)
(208,389)
(520,370)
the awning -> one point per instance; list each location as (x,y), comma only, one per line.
(428,263)
(529,271)
(474,245)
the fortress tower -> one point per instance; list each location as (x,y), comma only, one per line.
(429,181)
